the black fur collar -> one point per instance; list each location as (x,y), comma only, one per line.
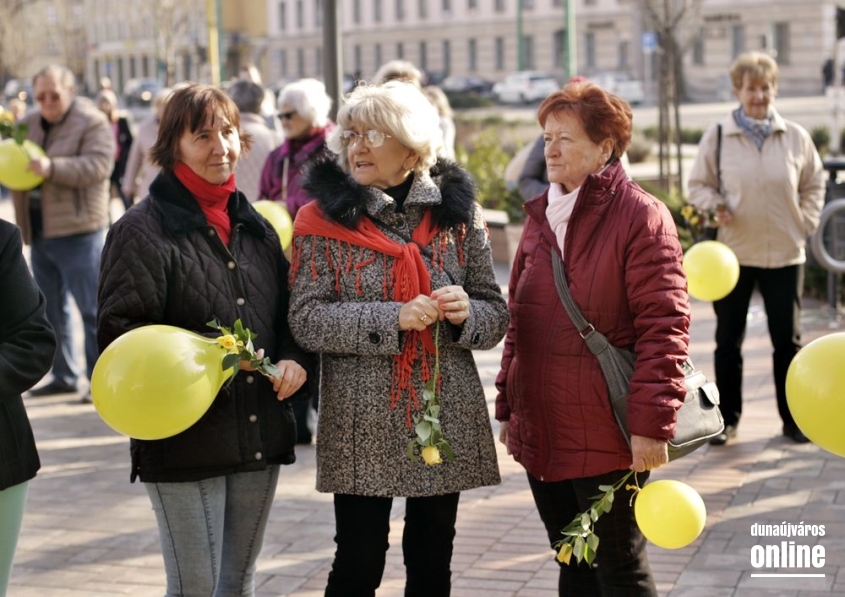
(343,200)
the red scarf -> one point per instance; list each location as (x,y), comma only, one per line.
(213,199)
(409,278)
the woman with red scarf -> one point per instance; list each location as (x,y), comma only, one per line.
(193,252)
(392,282)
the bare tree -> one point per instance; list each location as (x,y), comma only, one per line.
(676,23)
(171,21)
(68,36)
(14,50)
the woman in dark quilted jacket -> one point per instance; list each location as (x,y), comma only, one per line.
(622,260)
(196,251)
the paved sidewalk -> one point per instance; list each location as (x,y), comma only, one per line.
(88,532)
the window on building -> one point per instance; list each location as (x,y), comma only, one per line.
(737,40)
(423,56)
(447,7)
(624,51)
(318,13)
(698,49)
(589,2)
(356,58)
(781,43)
(557,3)
(559,45)
(318,59)
(499,5)
(377,55)
(423,8)
(50,14)
(283,62)
(400,10)
(300,62)
(447,56)
(356,11)
(400,50)
(528,4)
(528,51)
(472,50)
(377,11)
(300,20)
(590,49)
(472,5)
(500,53)
(283,13)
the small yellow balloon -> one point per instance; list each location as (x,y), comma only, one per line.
(814,392)
(278,216)
(669,513)
(14,164)
(712,270)
(156,381)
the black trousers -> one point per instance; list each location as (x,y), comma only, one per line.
(781,289)
(621,565)
(362,525)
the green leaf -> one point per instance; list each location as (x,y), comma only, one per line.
(605,488)
(411,450)
(594,514)
(589,554)
(431,419)
(428,394)
(239,330)
(434,410)
(585,521)
(446,449)
(578,549)
(232,361)
(593,542)
(423,429)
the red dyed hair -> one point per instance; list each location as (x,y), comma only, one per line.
(603,115)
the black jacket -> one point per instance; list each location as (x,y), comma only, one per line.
(164,264)
(27,345)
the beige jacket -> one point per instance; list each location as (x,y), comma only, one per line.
(75,196)
(140,171)
(774,194)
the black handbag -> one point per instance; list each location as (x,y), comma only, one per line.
(698,419)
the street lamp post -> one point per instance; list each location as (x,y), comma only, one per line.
(571,64)
(520,58)
(332,54)
(213,41)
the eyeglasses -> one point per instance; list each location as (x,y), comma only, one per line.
(287,115)
(43,97)
(371,138)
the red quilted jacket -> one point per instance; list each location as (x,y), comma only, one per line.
(623,264)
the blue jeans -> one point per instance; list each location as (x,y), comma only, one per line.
(211,532)
(69,265)
(12,503)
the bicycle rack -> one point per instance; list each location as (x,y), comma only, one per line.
(834,262)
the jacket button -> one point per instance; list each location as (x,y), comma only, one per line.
(250,379)
(231,265)
(211,232)
(240,301)
(258,455)
(253,418)
(476,339)
(374,337)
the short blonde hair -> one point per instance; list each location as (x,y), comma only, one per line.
(757,65)
(399,70)
(397,109)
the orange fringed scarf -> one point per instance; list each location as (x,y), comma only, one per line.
(408,278)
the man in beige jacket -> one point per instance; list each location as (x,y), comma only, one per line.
(64,219)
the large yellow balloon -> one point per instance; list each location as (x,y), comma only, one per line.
(669,513)
(815,391)
(712,270)
(14,164)
(156,381)
(278,216)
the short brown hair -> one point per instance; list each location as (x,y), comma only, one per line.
(602,114)
(187,109)
(757,65)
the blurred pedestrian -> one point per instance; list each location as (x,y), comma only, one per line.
(248,97)
(766,194)
(439,100)
(27,344)
(107,103)
(618,248)
(140,171)
(17,107)
(198,251)
(386,254)
(64,218)
(399,70)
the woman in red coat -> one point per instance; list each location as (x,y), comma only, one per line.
(622,260)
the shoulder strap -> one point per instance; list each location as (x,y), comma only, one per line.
(719,155)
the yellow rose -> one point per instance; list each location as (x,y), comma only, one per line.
(228,342)
(431,455)
(6,116)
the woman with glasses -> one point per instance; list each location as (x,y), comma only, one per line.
(304,112)
(392,275)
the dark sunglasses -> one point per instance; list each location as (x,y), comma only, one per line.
(287,115)
(43,97)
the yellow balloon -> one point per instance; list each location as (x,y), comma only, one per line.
(278,216)
(815,394)
(14,164)
(712,270)
(156,381)
(669,513)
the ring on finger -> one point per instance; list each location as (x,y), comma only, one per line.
(424,318)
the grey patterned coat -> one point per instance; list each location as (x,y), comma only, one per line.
(361,442)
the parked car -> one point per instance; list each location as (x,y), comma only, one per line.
(466,84)
(19,88)
(140,92)
(622,84)
(525,87)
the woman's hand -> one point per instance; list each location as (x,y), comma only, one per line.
(648,453)
(503,434)
(418,313)
(453,304)
(247,365)
(723,216)
(291,377)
